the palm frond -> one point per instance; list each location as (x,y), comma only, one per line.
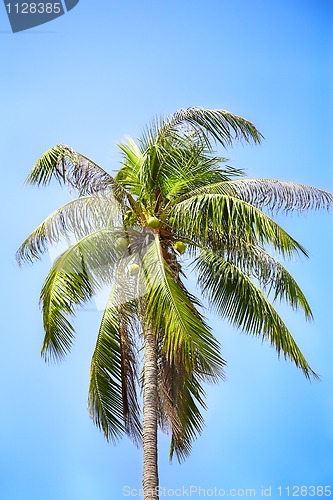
(185,132)
(184,170)
(275,195)
(60,294)
(77,171)
(75,276)
(272,276)
(220,125)
(131,410)
(172,312)
(75,219)
(113,401)
(69,167)
(202,216)
(234,296)
(278,195)
(179,394)
(129,174)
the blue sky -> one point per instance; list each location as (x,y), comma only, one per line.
(89,78)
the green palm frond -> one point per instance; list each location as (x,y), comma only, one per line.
(183,171)
(180,393)
(271,274)
(172,312)
(77,171)
(129,174)
(60,294)
(172,193)
(201,217)
(202,125)
(234,296)
(69,167)
(274,195)
(75,276)
(75,219)
(187,132)
(130,370)
(113,401)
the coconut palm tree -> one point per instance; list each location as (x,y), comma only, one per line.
(173,203)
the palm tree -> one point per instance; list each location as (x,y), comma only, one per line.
(172,203)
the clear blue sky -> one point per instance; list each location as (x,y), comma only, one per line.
(88,79)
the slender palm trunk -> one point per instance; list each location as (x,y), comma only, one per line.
(150,469)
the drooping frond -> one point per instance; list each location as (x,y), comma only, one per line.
(235,297)
(273,195)
(183,170)
(113,401)
(271,274)
(129,370)
(217,124)
(77,171)
(69,167)
(259,265)
(183,138)
(76,220)
(105,392)
(202,216)
(60,294)
(171,312)
(179,394)
(75,276)
(129,174)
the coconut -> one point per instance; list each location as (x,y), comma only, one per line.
(180,247)
(153,222)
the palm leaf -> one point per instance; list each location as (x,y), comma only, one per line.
(180,393)
(274,195)
(113,401)
(202,216)
(69,167)
(233,295)
(184,170)
(128,175)
(75,276)
(60,294)
(220,125)
(272,276)
(172,312)
(75,219)
(187,131)
(74,169)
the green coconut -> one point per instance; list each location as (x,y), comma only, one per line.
(133,269)
(180,247)
(153,222)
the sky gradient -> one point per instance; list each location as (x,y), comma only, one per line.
(88,79)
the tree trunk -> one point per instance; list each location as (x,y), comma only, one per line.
(150,469)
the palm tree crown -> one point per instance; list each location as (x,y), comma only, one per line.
(172,201)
